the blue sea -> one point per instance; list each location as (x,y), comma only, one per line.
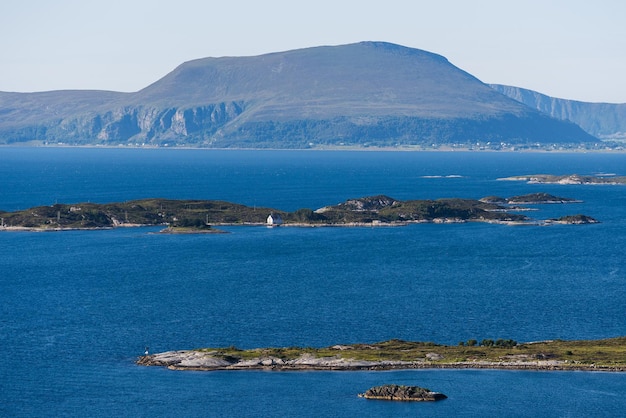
(77,308)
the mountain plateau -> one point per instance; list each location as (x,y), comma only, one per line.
(363,94)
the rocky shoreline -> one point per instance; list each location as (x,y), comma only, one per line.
(575,220)
(213,361)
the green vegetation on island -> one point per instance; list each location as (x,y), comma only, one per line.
(197,216)
(605,355)
(529,199)
(177,214)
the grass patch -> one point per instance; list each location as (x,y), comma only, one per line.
(609,352)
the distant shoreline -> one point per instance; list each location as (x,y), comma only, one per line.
(443,148)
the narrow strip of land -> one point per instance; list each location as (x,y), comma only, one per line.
(587,355)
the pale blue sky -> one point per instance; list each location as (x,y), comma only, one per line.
(565,48)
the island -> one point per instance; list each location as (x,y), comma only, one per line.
(529,199)
(573,220)
(199,216)
(567,179)
(402,393)
(588,355)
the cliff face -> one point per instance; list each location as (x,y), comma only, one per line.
(146,124)
(120,125)
(370,93)
(603,120)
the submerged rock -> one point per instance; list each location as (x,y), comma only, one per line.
(402,393)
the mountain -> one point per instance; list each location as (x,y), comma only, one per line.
(602,120)
(369,93)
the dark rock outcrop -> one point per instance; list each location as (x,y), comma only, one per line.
(402,393)
(373,203)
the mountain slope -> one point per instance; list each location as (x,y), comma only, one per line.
(376,78)
(370,93)
(603,120)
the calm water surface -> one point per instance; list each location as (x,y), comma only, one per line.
(77,308)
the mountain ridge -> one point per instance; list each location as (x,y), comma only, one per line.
(603,120)
(367,93)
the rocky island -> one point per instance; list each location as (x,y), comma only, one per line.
(573,220)
(199,216)
(567,179)
(589,355)
(402,393)
(529,199)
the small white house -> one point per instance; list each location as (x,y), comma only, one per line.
(274,220)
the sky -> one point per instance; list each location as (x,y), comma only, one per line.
(572,49)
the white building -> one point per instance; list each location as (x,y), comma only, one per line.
(274,219)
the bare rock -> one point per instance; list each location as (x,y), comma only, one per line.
(434,356)
(402,393)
